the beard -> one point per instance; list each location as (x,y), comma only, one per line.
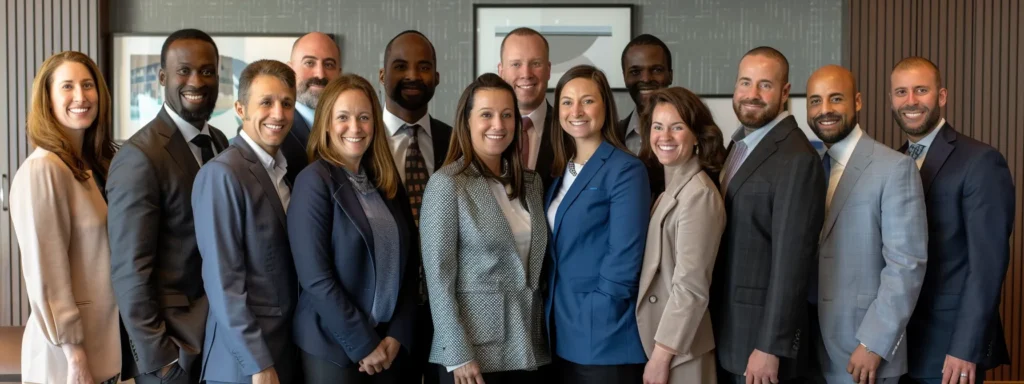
(412,103)
(310,97)
(931,119)
(193,114)
(635,88)
(756,119)
(831,138)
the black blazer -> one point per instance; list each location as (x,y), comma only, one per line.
(155,262)
(441,137)
(332,245)
(294,148)
(776,206)
(969,195)
(546,155)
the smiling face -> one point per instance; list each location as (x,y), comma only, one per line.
(760,91)
(492,123)
(581,109)
(645,70)
(316,61)
(832,104)
(916,98)
(671,139)
(73,95)
(525,66)
(190,80)
(409,75)
(351,127)
(268,114)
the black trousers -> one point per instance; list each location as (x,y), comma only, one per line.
(506,377)
(320,371)
(417,369)
(568,372)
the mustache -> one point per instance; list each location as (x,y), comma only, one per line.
(415,84)
(754,102)
(913,108)
(646,85)
(831,115)
(205,90)
(321,81)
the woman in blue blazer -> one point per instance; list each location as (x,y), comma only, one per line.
(598,208)
(354,244)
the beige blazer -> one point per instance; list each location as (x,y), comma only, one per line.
(61,225)
(682,243)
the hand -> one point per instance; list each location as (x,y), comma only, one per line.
(266,376)
(468,374)
(863,365)
(377,361)
(657,369)
(953,369)
(391,348)
(762,368)
(78,366)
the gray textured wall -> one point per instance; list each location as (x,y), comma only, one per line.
(706,36)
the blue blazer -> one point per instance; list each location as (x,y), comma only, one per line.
(332,245)
(597,248)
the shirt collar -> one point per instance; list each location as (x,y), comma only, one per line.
(755,137)
(927,140)
(843,150)
(394,123)
(188,130)
(305,112)
(634,123)
(538,115)
(277,161)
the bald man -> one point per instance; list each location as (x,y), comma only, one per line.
(316,61)
(873,245)
(955,333)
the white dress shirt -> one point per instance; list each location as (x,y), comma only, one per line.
(927,142)
(277,168)
(190,132)
(840,154)
(536,134)
(567,179)
(634,141)
(400,140)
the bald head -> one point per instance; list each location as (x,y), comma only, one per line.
(832,103)
(316,61)
(832,76)
(918,63)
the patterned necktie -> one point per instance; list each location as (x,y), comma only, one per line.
(524,155)
(205,145)
(915,151)
(732,163)
(415,171)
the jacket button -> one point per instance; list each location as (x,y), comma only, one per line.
(653,299)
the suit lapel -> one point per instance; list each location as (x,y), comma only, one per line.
(938,152)
(680,176)
(545,155)
(622,126)
(760,153)
(257,169)
(538,233)
(345,197)
(300,131)
(176,145)
(480,186)
(440,136)
(859,161)
(589,170)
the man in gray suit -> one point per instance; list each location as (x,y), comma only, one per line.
(239,201)
(874,242)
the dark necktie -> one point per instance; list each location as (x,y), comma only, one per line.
(415,182)
(826,162)
(812,283)
(915,151)
(205,145)
(525,140)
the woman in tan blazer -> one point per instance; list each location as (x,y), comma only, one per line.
(682,239)
(60,218)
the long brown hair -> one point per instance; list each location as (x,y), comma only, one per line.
(696,115)
(561,142)
(377,158)
(461,145)
(44,131)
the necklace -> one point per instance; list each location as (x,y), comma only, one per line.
(572,166)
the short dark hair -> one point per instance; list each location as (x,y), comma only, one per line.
(387,49)
(525,31)
(918,62)
(771,53)
(647,39)
(277,69)
(186,34)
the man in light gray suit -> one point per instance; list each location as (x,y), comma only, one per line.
(873,245)
(239,202)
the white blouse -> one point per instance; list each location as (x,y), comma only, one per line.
(567,179)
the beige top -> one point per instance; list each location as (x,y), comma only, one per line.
(61,226)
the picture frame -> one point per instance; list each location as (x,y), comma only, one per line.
(137,92)
(576,34)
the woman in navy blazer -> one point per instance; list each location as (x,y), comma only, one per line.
(354,244)
(598,208)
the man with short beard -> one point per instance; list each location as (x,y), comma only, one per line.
(646,67)
(155,263)
(419,144)
(774,190)
(316,61)
(874,243)
(955,333)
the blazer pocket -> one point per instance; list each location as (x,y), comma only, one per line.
(265,311)
(485,315)
(750,296)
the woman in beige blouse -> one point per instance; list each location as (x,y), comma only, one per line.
(60,218)
(682,239)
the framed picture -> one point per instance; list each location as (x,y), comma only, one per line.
(139,96)
(576,34)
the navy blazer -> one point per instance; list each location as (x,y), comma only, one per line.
(597,249)
(969,195)
(294,147)
(332,244)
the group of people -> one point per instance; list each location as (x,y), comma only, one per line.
(339,239)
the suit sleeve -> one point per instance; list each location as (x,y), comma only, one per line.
(988,207)
(403,321)
(697,235)
(439,226)
(218,205)
(310,221)
(133,224)
(798,213)
(905,250)
(629,215)
(42,222)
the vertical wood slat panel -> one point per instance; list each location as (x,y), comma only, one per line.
(976,44)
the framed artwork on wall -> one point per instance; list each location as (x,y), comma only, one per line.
(576,34)
(138,95)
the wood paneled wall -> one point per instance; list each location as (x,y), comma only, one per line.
(977,46)
(33,31)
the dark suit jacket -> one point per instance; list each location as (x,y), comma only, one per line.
(655,171)
(441,137)
(294,148)
(155,262)
(969,195)
(334,258)
(248,270)
(546,155)
(776,206)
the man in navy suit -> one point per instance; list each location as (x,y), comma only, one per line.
(316,61)
(954,334)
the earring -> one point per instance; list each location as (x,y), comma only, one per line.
(696,149)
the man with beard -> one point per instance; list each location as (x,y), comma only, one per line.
(525,66)
(316,61)
(774,190)
(955,333)
(874,243)
(155,262)
(419,144)
(646,67)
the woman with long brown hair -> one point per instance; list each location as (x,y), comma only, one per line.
(60,218)
(353,241)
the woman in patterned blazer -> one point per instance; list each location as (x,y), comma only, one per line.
(483,241)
